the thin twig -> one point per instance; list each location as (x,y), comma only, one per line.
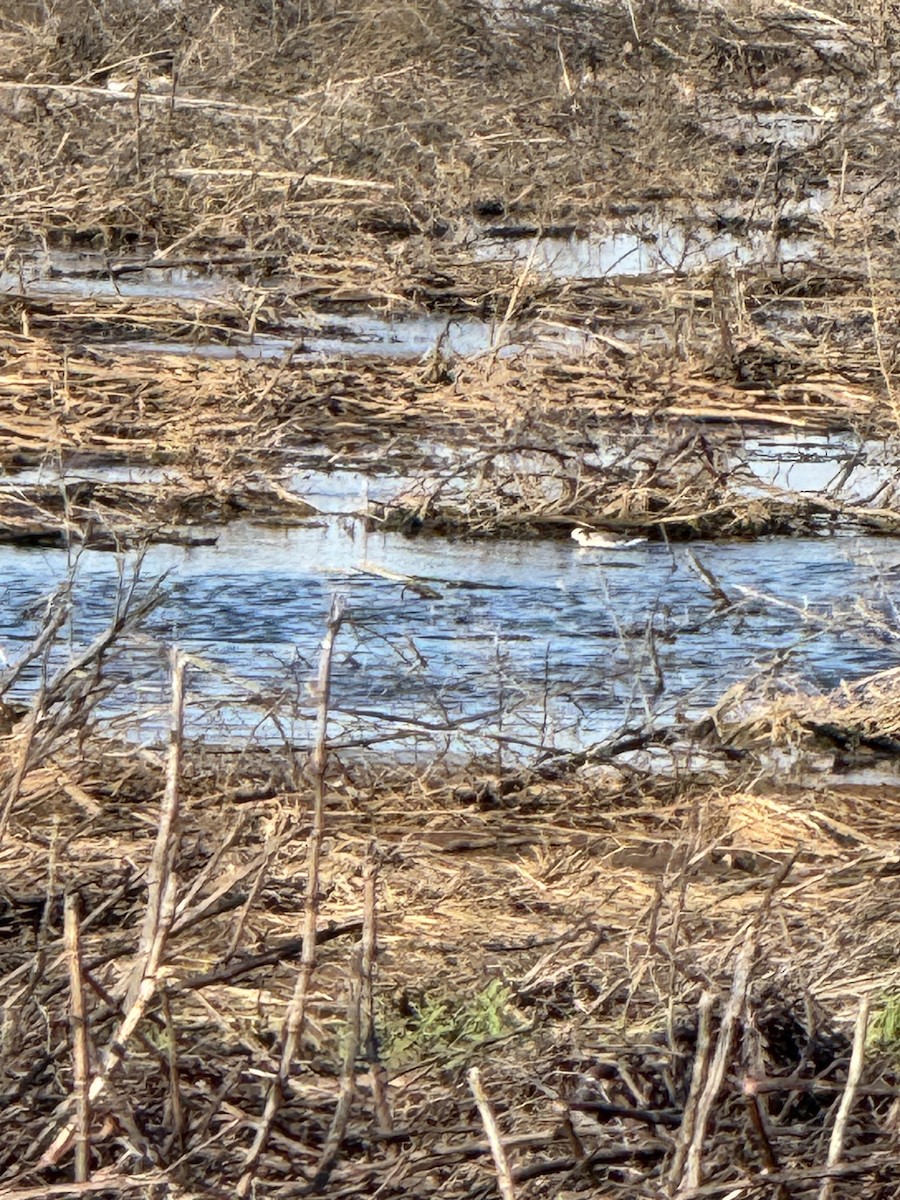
(377,1073)
(347,1089)
(854,1074)
(81,1065)
(698,1082)
(160,913)
(716,1077)
(177,1116)
(162,864)
(734,1011)
(295,1018)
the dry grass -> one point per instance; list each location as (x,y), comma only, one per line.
(560,933)
(256,137)
(538,444)
(277,133)
(662,978)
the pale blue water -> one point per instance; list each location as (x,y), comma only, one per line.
(561,646)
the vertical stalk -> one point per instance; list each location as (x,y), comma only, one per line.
(81,1066)
(295,1017)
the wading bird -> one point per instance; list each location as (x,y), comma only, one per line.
(602,539)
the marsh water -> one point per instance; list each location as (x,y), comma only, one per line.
(504,647)
(508,647)
(644,248)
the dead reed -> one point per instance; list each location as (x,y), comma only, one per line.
(624,977)
(223,974)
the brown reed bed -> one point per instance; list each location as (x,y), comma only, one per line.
(258,970)
(267,142)
(859,722)
(272,129)
(519,445)
(263,145)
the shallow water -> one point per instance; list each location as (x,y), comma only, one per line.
(650,251)
(81,275)
(380,337)
(51,473)
(839,466)
(536,642)
(795,130)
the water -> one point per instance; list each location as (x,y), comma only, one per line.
(837,466)
(649,247)
(380,337)
(81,275)
(52,474)
(513,644)
(654,250)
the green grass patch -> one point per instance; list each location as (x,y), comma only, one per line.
(429,1025)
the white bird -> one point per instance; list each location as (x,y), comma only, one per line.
(602,539)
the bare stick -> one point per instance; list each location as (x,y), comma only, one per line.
(75,683)
(764,1142)
(162,863)
(731,1017)
(29,729)
(160,914)
(176,1114)
(280,952)
(698,1080)
(854,1074)
(81,1063)
(295,1017)
(368,966)
(501,1163)
(57,612)
(117,1050)
(338,1127)
(733,1010)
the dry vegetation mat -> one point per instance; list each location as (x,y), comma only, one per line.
(718,179)
(514,446)
(272,971)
